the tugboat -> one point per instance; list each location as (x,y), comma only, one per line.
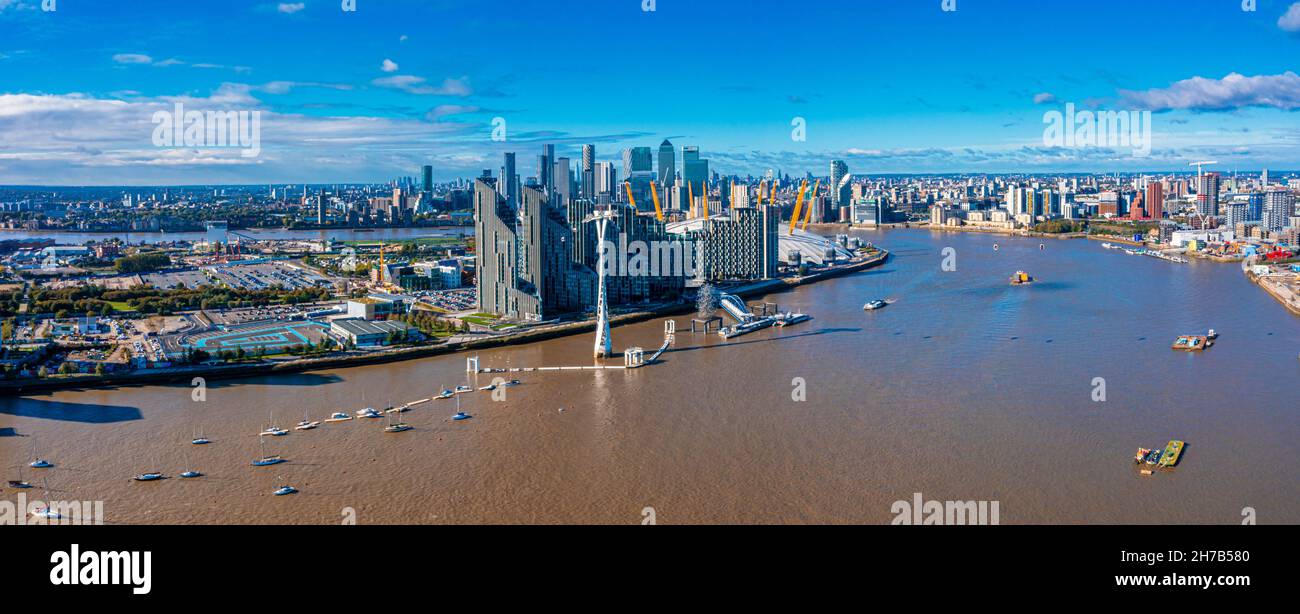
(1021,278)
(874,305)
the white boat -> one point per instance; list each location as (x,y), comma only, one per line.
(1107,245)
(191,474)
(274,430)
(400,427)
(445,394)
(369,412)
(488,388)
(874,305)
(1212,334)
(47,512)
(513,382)
(400,409)
(284,490)
(338,416)
(306,424)
(38,462)
(148,476)
(463,389)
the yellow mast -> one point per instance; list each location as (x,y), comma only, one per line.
(659,213)
(808,214)
(798,206)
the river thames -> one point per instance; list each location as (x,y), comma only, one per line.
(964,388)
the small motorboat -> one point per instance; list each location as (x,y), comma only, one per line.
(463,389)
(460,415)
(148,477)
(369,412)
(488,388)
(401,409)
(513,382)
(19,484)
(40,463)
(267,461)
(874,305)
(284,490)
(200,441)
(445,394)
(338,416)
(191,474)
(1212,334)
(274,431)
(1021,278)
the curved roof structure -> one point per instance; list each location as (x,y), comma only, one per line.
(813,248)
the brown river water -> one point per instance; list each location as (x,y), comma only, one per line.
(965,389)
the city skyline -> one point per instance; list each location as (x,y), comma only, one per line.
(395,87)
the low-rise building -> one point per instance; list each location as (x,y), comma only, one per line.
(364,333)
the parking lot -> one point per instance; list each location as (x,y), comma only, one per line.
(265,275)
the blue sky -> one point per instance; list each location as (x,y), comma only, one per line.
(890,86)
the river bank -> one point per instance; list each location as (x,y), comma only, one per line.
(532,335)
(1280,292)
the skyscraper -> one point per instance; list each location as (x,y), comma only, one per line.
(839,170)
(511,179)
(545,163)
(1155,200)
(1279,205)
(562,182)
(667,163)
(695,170)
(637,160)
(589,172)
(1207,195)
(428,179)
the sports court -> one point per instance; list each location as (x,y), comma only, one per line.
(272,336)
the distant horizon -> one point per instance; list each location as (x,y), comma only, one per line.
(1250,172)
(455,84)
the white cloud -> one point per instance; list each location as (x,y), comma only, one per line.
(132,58)
(290,8)
(108,141)
(419,85)
(1234,91)
(445,110)
(1044,98)
(1291,20)
(388,66)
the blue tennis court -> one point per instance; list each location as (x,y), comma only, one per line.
(272,337)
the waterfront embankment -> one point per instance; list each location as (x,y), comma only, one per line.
(354,359)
